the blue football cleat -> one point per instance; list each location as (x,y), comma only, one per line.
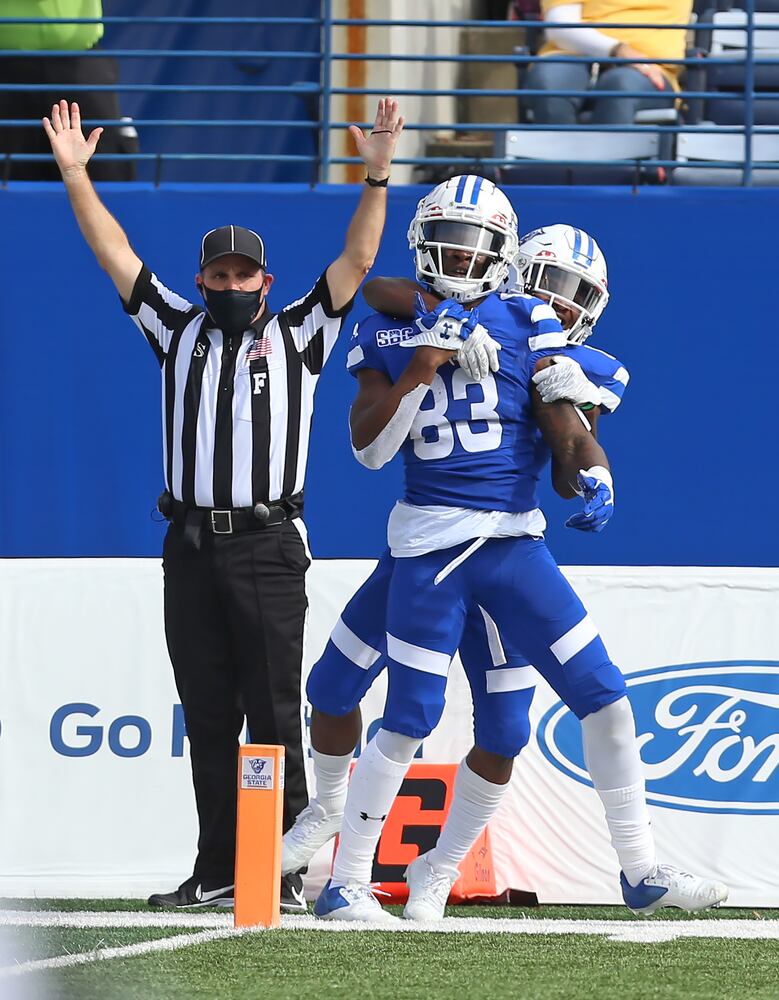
(669,886)
(351,902)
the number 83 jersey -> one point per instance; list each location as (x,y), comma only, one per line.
(476,444)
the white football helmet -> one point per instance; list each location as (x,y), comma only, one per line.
(471,216)
(566,265)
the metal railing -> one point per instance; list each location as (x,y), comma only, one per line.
(321,159)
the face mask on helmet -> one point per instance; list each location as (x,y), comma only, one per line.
(464,236)
(461,250)
(573,291)
(566,267)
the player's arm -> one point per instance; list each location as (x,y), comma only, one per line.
(397,296)
(580,466)
(591,416)
(376,150)
(383,411)
(106,238)
(573,446)
(589,420)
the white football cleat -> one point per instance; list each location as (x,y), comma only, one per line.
(351,902)
(311,830)
(428,890)
(669,886)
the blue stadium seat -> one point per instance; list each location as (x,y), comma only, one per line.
(724,71)
(725,66)
(592,145)
(529,146)
(711,147)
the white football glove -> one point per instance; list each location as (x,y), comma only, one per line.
(478,356)
(440,327)
(565,379)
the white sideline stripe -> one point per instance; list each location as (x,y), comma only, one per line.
(574,640)
(638,930)
(427,660)
(352,646)
(493,641)
(622,375)
(643,931)
(115,918)
(510,679)
(125,951)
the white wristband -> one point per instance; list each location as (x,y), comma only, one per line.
(601,473)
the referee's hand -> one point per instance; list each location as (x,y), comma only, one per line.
(71,150)
(378,147)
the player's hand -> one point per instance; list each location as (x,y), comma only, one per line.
(596,487)
(478,356)
(71,150)
(651,71)
(439,327)
(378,147)
(565,379)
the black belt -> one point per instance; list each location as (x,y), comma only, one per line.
(230,521)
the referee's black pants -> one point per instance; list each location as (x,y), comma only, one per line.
(235,613)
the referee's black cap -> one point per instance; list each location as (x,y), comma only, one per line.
(232,239)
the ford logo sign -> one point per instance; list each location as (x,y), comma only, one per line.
(708,735)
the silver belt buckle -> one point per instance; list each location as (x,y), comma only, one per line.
(219,526)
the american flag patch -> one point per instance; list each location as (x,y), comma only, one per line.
(261,348)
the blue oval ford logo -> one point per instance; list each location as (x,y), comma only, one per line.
(708,733)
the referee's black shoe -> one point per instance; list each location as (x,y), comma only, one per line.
(194,893)
(292,898)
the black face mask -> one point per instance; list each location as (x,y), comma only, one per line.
(231,311)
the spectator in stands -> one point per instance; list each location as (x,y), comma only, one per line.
(61,72)
(636,44)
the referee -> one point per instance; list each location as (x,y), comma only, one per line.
(238,384)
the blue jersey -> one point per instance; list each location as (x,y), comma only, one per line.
(476,444)
(606,371)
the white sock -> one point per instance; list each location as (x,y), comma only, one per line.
(331,774)
(473,806)
(376,780)
(612,758)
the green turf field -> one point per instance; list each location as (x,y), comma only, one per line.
(548,953)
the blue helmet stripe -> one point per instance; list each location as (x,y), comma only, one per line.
(590,249)
(476,190)
(579,256)
(577,243)
(460,193)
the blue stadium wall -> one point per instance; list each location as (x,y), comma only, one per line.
(692,316)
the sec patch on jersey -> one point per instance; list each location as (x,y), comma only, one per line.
(390,338)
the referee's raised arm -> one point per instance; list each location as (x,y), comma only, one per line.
(346,273)
(106,238)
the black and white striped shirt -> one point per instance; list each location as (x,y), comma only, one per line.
(236,411)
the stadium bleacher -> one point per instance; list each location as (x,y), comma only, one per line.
(281,96)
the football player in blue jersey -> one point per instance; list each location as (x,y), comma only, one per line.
(469,535)
(356,651)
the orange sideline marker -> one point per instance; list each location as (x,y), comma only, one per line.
(258,835)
